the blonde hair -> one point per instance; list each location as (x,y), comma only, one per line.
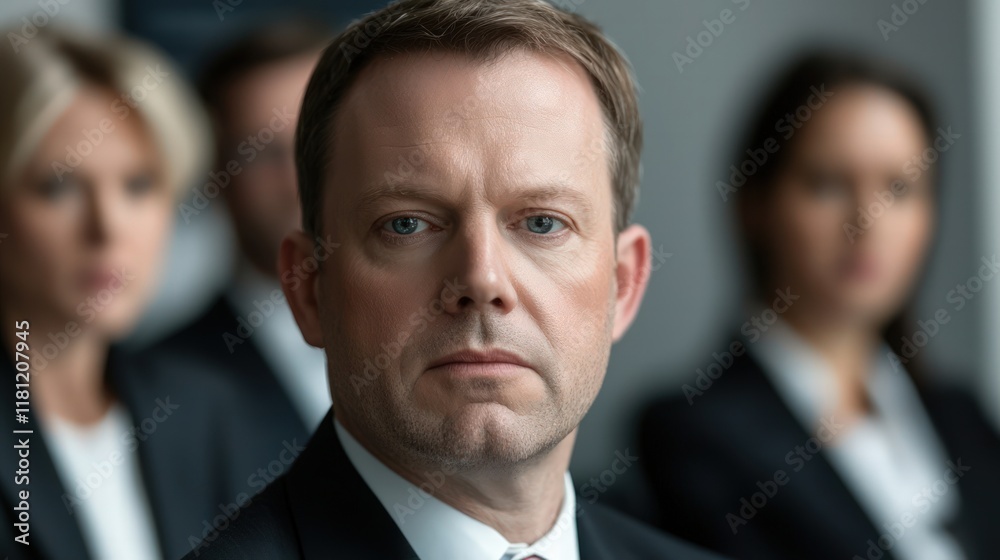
(483,29)
(42,77)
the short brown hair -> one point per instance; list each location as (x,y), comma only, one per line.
(484,29)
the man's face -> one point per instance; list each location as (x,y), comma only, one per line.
(258,132)
(473,207)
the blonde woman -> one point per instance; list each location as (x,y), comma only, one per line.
(100,134)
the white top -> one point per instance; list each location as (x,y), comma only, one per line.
(99,469)
(299,367)
(888,459)
(437,531)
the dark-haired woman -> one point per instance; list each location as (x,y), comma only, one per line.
(820,439)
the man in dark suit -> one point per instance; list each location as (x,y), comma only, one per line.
(252,89)
(475,161)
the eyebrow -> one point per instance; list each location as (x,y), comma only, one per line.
(533,194)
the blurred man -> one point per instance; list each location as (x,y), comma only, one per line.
(476,163)
(253,90)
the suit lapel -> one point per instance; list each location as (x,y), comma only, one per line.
(815,487)
(333,508)
(177,496)
(54,532)
(254,370)
(970,442)
(593,545)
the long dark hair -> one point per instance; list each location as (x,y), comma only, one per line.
(818,70)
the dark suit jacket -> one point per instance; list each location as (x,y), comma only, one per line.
(200,346)
(702,458)
(200,445)
(323,509)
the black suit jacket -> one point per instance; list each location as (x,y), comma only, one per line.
(200,445)
(200,346)
(323,509)
(702,458)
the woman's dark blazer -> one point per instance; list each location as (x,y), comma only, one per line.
(706,454)
(204,442)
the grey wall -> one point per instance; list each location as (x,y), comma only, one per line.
(90,14)
(985,17)
(694,298)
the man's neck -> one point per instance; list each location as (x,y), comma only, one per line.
(522,503)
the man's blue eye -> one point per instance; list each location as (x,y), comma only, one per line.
(544,224)
(406,225)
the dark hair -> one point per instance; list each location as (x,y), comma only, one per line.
(813,72)
(257,48)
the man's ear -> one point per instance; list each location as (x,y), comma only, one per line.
(298,269)
(632,274)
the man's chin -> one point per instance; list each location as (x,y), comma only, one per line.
(490,433)
(480,419)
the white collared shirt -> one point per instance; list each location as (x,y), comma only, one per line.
(299,367)
(437,531)
(888,458)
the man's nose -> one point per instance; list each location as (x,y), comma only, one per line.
(480,258)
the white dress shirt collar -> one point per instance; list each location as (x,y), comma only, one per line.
(886,458)
(438,531)
(806,383)
(799,374)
